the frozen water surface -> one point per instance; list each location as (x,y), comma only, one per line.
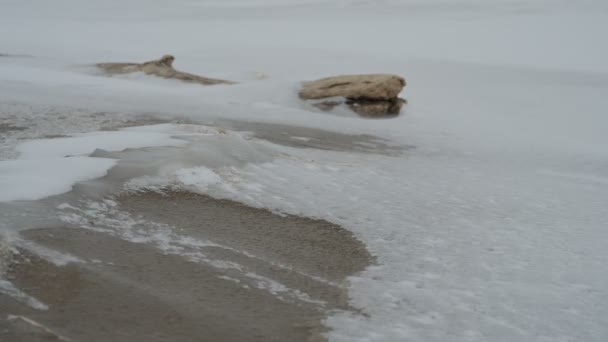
(493,228)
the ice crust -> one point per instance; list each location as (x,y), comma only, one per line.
(49,167)
(36,179)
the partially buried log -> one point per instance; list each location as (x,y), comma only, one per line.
(160,67)
(368,95)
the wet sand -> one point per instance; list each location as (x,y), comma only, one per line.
(4,127)
(127,291)
(304,137)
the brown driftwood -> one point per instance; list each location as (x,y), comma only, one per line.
(368,95)
(160,67)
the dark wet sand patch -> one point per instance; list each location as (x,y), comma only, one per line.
(318,138)
(129,291)
(18,328)
(142,120)
(293,136)
(4,127)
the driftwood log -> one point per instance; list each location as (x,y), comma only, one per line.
(160,67)
(367,95)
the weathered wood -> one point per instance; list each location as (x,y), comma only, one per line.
(160,67)
(371,87)
(371,95)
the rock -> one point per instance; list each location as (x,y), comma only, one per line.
(373,86)
(367,95)
(162,67)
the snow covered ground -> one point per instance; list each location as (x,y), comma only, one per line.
(493,228)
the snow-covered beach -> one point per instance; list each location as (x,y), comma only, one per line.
(481,209)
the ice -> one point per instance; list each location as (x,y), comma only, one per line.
(491,228)
(201,177)
(470,251)
(40,178)
(84,144)
(49,167)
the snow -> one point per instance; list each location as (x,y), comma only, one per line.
(201,177)
(36,179)
(49,167)
(468,250)
(492,227)
(84,144)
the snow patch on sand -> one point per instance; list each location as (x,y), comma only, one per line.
(36,179)
(86,143)
(49,167)
(199,177)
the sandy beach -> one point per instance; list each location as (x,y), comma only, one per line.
(134,292)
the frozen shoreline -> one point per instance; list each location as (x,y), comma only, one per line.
(483,201)
(289,271)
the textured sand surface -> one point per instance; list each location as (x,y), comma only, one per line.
(127,291)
